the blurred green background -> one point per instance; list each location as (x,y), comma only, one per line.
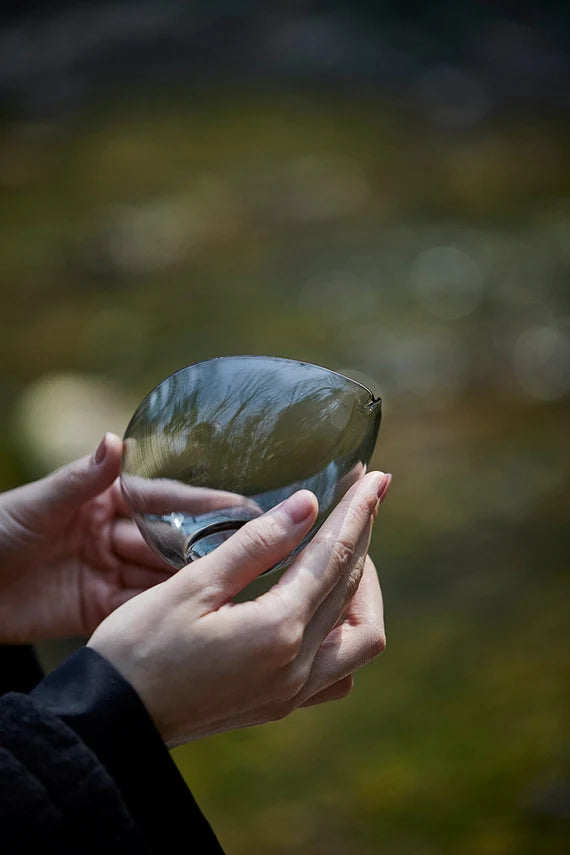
(384,195)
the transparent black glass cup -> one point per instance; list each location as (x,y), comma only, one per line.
(220,442)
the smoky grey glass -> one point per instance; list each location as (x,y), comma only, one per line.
(220,442)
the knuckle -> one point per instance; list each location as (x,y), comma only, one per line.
(284,638)
(71,477)
(259,538)
(342,553)
(353,581)
(362,508)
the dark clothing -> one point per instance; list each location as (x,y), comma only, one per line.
(20,670)
(82,767)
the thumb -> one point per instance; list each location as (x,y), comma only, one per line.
(256,547)
(72,485)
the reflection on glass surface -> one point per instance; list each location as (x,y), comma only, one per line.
(220,442)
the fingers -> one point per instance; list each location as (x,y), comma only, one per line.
(120,504)
(301,681)
(329,558)
(333,607)
(256,547)
(336,692)
(355,642)
(163,496)
(366,609)
(129,545)
(72,485)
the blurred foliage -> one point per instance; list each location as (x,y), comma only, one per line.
(432,264)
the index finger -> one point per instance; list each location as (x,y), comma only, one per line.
(163,496)
(328,558)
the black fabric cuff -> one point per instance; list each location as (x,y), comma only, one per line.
(55,795)
(89,694)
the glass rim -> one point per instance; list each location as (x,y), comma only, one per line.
(374,399)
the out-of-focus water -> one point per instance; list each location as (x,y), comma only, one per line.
(431,264)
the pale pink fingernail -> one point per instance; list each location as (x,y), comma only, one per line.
(101,450)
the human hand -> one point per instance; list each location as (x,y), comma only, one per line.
(68,555)
(202,663)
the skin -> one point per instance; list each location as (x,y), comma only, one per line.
(72,563)
(69,555)
(211,664)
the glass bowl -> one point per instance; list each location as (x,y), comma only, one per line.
(220,442)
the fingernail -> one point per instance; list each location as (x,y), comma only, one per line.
(383,487)
(101,450)
(298,506)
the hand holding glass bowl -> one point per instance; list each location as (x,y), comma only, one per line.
(215,462)
(220,442)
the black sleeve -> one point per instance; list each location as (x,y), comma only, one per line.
(20,670)
(82,766)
